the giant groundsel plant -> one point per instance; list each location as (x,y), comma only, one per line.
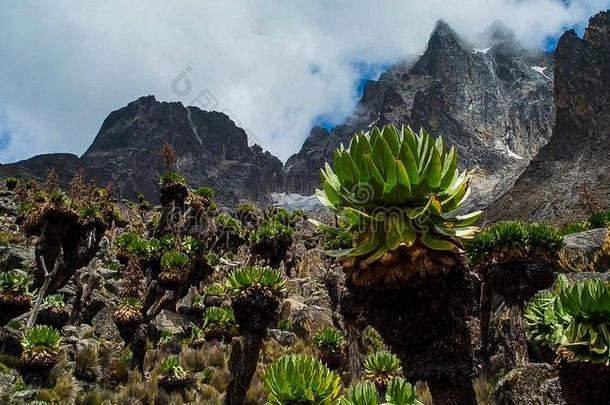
(396,187)
(573,319)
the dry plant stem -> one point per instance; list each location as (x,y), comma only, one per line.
(78,300)
(485,312)
(158,305)
(41,293)
(242,365)
(355,357)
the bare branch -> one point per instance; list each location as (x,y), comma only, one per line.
(43,290)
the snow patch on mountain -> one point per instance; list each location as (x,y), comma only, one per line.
(294,201)
(481,50)
(540,69)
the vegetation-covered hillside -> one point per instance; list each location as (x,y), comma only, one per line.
(391,297)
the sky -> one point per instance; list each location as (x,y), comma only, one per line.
(275,67)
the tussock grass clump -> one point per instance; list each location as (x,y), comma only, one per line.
(514,240)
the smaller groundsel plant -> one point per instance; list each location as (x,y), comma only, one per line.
(175,261)
(170,178)
(329,342)
(219,322)
(174,268)
(328,339)
(264,278)
(271,229)
(206,192)
(128,312)
(40,346)
(172,376)
(215,289)
(337,238)
(227,223)
(11,183)
(54,301)
(399,392)
(573,319)
(14,288)
(380,368)
(130,243)
(514,240)
(301,379)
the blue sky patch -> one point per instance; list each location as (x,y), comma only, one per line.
(366,71)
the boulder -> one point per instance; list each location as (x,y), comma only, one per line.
(16,257)
(305,319)
(529,384)
(8,203)
(103,323)
(283,337)
(168,321)
(585,251)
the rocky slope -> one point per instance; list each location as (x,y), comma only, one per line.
(494,104)
(578,152)
(211,149)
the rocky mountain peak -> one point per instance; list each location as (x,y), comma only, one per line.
(444,43)
(597,32)
(551,187)
(496,109)
(211,151)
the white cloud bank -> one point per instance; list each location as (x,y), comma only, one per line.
(275,65)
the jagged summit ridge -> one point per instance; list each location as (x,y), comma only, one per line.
(494,104)
(576,155)
(211,150)
(491,103)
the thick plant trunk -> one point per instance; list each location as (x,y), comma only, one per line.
(585,383)
(354,353)
(430,325)
(518,281)
(444,392)
(242,365)
(254,312)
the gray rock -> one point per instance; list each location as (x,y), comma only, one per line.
(305,319)
(25,395)
(285,338)
(7,383)
(585,249)
(8,204)
(576,156)
(16,257)
(103,323)
(529,384)
(168,321)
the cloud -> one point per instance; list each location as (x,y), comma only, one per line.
(275,67)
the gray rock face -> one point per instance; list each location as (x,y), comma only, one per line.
(16,257)
(490,103)
(104,325)
(211,149)
(578,152)
(529,384)
(170,322)
(585,251)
